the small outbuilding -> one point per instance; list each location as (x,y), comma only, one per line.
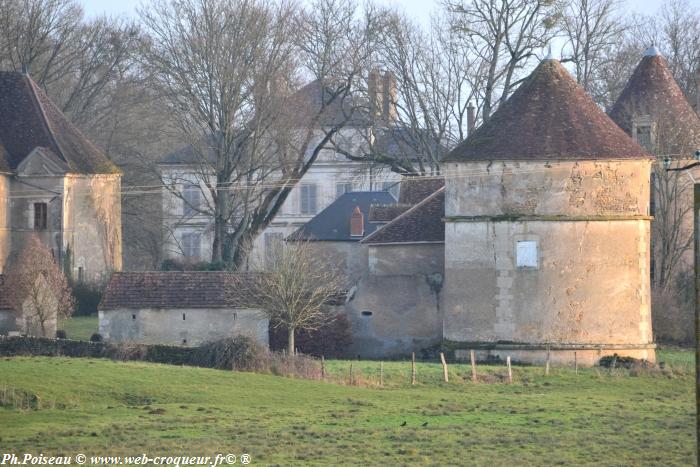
(180,308)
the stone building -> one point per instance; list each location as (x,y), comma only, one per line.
(179,308)
(392,255)
(55,184)
(653,110)
(547,230)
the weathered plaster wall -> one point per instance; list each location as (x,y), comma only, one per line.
(27,190)
(350,258)
(167,326)
(548,188)
(402,290)
(5,243)
(591,284)
(92,225)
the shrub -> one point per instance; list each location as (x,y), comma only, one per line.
(96,337)
(332,340)
(61,334)
(231,353)
(617,361)
(87,298)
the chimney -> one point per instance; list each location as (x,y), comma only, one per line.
(471,119)
(375,100)
(357,223)
(389,97)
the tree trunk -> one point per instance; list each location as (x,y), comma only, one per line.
(290,342)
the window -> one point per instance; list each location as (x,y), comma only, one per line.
(652,200)
(341,188)
(272,241)
(40,216)
(526,253)
(191,243)
(307,197)
(191,200)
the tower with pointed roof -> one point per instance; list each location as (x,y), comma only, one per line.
(653,110)
(547,230)
(54,183)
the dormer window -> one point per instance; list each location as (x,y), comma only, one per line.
(643,132)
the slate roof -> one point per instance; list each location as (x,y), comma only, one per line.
(652,90)
(4,302)
(333,223)
(422,223)
(549,117)
(190,289)
(28,119)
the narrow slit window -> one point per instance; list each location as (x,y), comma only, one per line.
(40,216)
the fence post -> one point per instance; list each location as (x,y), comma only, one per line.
(473,360)
(413,368)
(444,367)
(576,363)
(351,376)
(323,368)
(546,363)
(510,372)
(381,374)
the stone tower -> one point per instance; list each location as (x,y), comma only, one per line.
(547,230)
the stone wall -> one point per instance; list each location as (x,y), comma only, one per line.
(8,322)
(395,308)
(190,327)
(589,283)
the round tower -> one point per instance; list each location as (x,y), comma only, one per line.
(547,230)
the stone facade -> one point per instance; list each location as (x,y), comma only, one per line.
(395,308)
(182,326)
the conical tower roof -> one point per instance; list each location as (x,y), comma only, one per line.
(549,117)
(652,91)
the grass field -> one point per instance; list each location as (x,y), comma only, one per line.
(595,418)
(79,327)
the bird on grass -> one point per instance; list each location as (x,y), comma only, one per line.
(404,423)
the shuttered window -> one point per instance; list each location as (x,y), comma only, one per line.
(40,216)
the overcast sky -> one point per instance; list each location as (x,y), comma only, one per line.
(420,9)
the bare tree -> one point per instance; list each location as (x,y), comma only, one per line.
(591,28)
(503,35)
(297,287)
(228,69)
(37,288)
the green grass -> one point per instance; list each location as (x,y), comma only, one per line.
(79,327)
(595,418)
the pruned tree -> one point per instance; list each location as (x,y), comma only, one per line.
(297,287)
(229,71)
(37,288)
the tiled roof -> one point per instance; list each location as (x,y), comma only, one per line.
(333,223)
(4,302)
(652,91)
(548,117)
(387,212)
(413,190)
(422,223)
(28,119)
(191,289)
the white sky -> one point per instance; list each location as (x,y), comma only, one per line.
(419,9)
